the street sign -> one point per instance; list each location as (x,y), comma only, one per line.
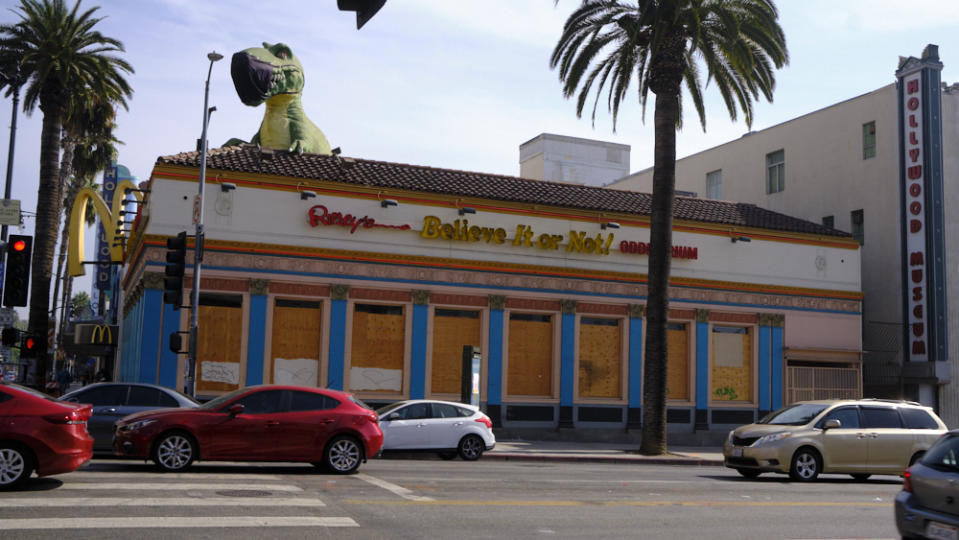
(9,212)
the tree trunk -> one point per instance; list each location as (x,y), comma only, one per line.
(660,255)
(65,171)
(45,239)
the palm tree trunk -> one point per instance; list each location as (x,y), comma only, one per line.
(45,238)
(69,144)
(62,255)
(660,255)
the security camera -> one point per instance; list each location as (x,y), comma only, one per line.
(227,186)
(386,203)
(307,194)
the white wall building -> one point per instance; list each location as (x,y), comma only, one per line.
(559,158)
(846,166)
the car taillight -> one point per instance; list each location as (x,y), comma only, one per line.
(906,482)
(485,420)
(370,417)
(72,417)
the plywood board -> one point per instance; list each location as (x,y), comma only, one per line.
(600,361)
(218,348)
(295,345)
(530,359)
(450,335)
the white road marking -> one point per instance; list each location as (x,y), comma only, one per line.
(177,486)
(174,522)
(392,488)
(83,475)
(87,502)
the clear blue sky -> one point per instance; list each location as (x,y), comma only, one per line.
(455,84)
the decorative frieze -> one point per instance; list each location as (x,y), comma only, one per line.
(153,280)
(636,311)
(567,307)
(339,291)
(702,315)
(497,301)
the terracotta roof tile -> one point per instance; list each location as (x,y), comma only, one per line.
(248,159)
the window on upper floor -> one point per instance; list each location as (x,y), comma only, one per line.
(829,221)
(858,226)
(869,140)
(714,185)
(776,171)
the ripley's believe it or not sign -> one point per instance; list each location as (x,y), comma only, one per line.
(524,236)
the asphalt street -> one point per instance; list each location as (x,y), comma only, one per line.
(431,498)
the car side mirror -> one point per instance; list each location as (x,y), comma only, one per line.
(394,416)
(235,409)
(832,423)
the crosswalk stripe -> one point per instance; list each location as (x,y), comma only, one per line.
(392,488)
(172,476)
(88,502)
(172,486)
(174,522)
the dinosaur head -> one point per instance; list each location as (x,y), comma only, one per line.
(263,72)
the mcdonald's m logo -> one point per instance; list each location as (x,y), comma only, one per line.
(96,334)
(110,218)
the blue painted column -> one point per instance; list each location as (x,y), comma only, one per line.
(421,316)
(764,367)
(338,298)
(702,370)
(567,361)
(634,383)
(256,336)
(494,360)
(150,338)
(777,361)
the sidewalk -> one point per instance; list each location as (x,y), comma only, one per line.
(521,450)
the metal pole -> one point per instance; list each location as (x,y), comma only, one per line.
(189,382)
(13,137)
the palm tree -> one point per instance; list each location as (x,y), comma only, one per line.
(662,43)
(62,54)
(91,147)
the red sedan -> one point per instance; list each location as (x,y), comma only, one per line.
(327,428)
(40,433)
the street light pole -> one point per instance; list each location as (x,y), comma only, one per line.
(189,382)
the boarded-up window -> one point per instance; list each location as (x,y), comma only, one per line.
(377,354)
(677,366)
(600,357)
(453,329)
(220,325)
(732,364)
(295,348)
(530,359)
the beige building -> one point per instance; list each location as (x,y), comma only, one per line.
(841,166)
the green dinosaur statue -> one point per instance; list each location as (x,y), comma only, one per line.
(272,74)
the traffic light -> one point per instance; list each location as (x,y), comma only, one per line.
(175,265)
(10,337)
(29,346)
(365,9)
(16,285)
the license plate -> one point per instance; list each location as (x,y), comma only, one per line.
(941,531)
(737,451)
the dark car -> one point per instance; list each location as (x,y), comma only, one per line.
(112,401)
(928,505)
(327,428)
(39,433)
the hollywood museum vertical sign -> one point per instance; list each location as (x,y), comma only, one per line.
(923,241)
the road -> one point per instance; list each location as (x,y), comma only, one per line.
(432,499)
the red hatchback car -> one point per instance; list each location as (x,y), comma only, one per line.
(40,433)
(327,428)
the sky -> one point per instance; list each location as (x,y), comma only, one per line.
(455,84)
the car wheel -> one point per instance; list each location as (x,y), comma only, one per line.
(861,477)
(16,466)
(748,473)
(343,455)
(174,451)
(471,447)
(806,465)
(447,455)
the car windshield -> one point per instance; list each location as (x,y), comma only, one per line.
(30,391)
(391,407)
(794,415)
(216,403)
(944,455)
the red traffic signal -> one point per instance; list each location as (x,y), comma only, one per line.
(19,245)
(29,346)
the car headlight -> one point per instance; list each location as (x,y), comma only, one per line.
(771,438)
(133,426)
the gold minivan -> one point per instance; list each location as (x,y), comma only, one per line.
(857,437)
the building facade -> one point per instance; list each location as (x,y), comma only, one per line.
(849,166)
(372,277)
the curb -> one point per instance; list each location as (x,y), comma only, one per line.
(587,458)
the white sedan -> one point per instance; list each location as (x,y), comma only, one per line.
(436,426)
